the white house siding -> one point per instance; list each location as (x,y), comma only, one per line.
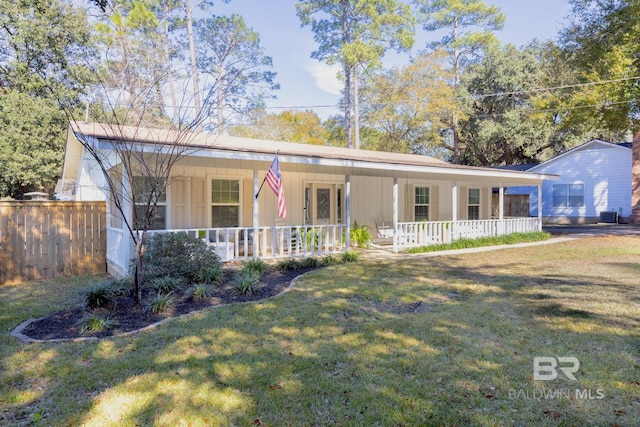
(605,171)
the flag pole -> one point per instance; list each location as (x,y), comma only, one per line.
(265,178)
(260,189)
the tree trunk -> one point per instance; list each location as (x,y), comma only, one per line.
(356,112)
(347,104)
(194,66)
(456,83)
(220,100)
(167,58)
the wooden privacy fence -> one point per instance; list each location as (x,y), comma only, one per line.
(47,239)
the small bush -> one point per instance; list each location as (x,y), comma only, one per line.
(245,281)
(256,264)
(331,260)
(310,262)
(288,264)
(507,239)
(166,284)
(99,295)
(159,303)
(121,287)
(199,291)
(94,323)
(177,255)
(350,256)
(360,235)
(212,274)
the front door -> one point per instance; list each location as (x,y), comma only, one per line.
(323,203)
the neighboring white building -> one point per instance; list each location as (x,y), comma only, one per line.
(595,178)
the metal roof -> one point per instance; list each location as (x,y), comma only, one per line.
(210,145)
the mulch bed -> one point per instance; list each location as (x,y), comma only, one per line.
(66,324)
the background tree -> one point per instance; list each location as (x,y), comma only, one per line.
(230,54)
(189,8)
(469,26)
(132,59)
(505,126)
(408,106)
(42,74)
(356,33)
(291,125)
(601,46)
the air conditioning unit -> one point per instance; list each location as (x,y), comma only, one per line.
(609,217)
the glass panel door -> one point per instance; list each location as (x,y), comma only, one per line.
(323,204)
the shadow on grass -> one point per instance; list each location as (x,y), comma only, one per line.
(346,348)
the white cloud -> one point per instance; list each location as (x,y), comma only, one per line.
(325,77)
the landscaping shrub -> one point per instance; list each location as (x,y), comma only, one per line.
(310,262)
(166,284)
(199,291)
(350,256)
(211,274)
(159,303)
(99,295)
(288,264)
(507,239)
(95,323)
(256,264)
(330,260)
(245,281)
(177,255)
(360,235)
(121,286)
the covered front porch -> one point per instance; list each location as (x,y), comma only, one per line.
(405,200)
(237,243)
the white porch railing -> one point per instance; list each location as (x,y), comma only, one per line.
(414,234)
(117,255)
(238,243)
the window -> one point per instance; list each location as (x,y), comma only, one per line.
(144,189)
(225,202)
(473,204)
(115,195)
(421,204)
(568,195)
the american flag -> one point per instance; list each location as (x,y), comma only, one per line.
(274,179)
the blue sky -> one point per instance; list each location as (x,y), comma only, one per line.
(307,83)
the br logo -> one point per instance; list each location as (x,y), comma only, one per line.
(546,368)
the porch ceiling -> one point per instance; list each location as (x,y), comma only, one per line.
(258,154)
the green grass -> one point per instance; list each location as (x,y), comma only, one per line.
(426,341)
(507,239)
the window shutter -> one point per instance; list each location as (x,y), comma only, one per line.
(246,205)
(178,188)
(199,201)
(409,198)
(434,203)
(463,203)
(485,203)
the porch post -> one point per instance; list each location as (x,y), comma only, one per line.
(539,207)
(347,209)
(454,208)
(395,214)
(501,210)
(256,213)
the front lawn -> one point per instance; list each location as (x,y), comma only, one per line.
(434,341)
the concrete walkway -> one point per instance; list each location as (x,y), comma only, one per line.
(590,230)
